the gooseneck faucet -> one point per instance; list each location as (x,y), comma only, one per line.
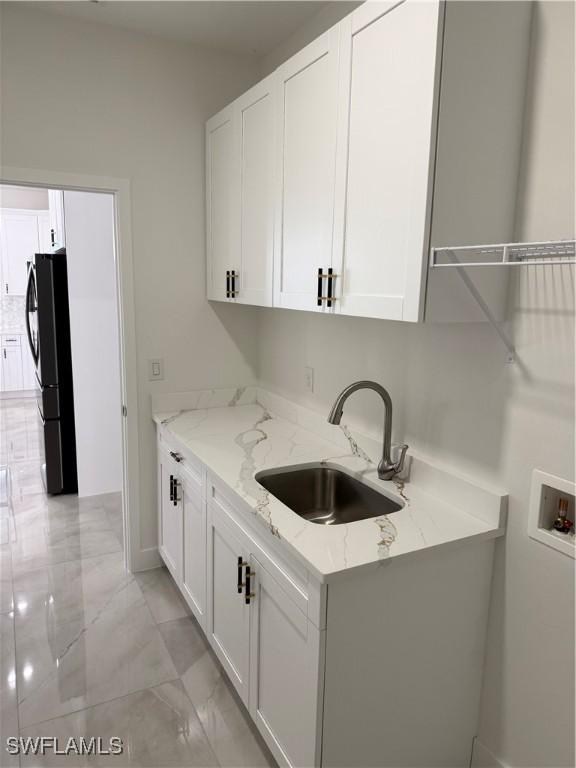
(387,468)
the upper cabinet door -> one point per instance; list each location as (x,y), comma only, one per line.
(45,234)
(390,70)
(306,155)
(222,209)
(56,212)
(18,244)
(254,126)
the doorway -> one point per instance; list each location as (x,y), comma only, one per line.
(83,228)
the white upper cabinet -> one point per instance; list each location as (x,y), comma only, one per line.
(22,234)
(398,129)
(240,198)
(390,68)
(307,132)
(222,210)
(56,214)
(254,127)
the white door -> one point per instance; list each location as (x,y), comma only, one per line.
(228,612)
(222,206)
(18,244)
(254,127)
(56,224)
(284,672)
(170,542)
(307,129)
(390,71)
(11,369)
(194,565)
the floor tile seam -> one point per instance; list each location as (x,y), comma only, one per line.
(169,679)
(107,701)
(67,562)
(181,677)
(16,684)
(62,529)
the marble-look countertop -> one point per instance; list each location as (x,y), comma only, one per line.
(239,440)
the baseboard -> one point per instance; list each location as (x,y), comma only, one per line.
(145,560)
(483,758)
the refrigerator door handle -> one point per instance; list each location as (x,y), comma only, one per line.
(27,315)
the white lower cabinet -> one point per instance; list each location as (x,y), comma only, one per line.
(252,604)
(263,638)
(16,365)
(284,671)
(228,613)
(381,667)
(11,368)
(194,556)
(170,518)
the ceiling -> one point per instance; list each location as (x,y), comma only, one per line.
(229,25)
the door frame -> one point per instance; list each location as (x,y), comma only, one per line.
(135,558)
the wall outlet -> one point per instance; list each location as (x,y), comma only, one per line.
(309,379)
(156,369)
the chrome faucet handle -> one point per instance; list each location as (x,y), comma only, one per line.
(388,470)
(401,452)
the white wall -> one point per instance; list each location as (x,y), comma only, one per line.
(80,97)
(92,295)
(457,402)
(325,18)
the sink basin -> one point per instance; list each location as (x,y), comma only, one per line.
(326,495)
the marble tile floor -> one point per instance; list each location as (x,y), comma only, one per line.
(90,650)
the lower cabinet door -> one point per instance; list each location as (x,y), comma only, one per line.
(170,539)
(228,612)
(194,570)
(11,369)
(284,672)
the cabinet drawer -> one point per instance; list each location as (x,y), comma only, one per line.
(11,340)
(189,467)
(292,579)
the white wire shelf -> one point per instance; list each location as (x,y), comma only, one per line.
(546,253)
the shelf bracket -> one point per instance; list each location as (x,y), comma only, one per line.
(484,307)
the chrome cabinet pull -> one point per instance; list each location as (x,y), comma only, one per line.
(176,456)
(171,487)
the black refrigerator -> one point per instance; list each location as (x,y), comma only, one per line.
(48,329)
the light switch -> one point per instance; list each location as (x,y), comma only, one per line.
(155,370)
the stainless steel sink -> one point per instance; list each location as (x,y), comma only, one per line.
(326,495)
